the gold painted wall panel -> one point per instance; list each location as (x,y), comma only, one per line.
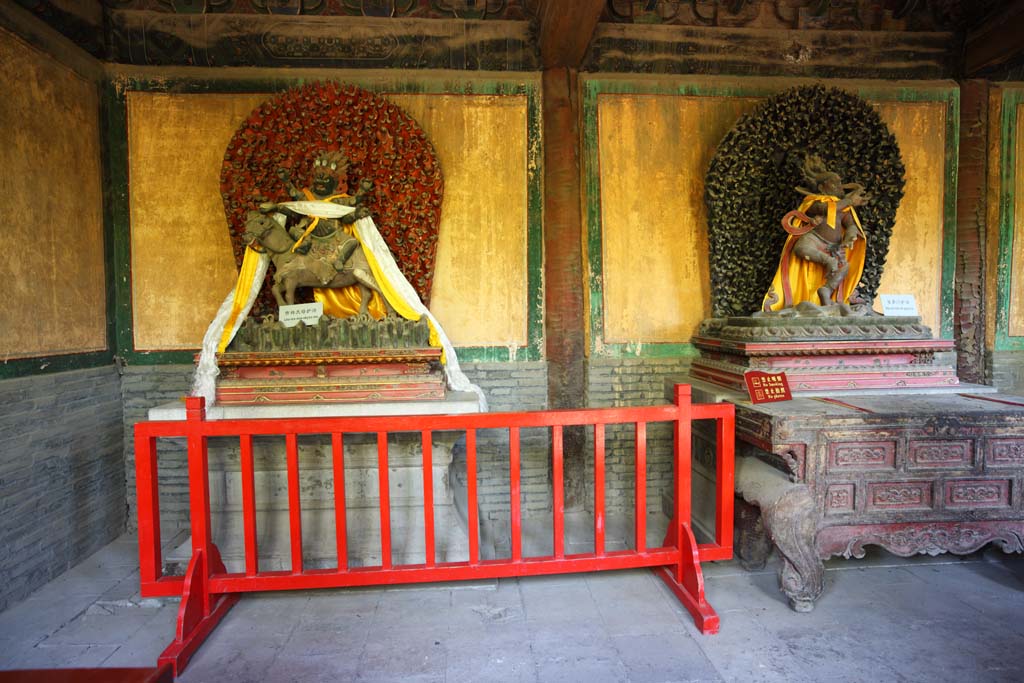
(1016,303)
(53,266)
(914,263)
(479,293)
(654,151)
(182,265)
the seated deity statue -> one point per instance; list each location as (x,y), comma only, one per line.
(823,258)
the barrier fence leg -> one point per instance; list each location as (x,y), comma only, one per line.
(200,611)
(689,589)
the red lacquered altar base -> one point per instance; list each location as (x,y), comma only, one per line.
(349,376)
(823,366)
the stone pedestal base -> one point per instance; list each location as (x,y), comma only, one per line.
(345,376)
(823,356)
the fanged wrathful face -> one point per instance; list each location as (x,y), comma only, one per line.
(325,181)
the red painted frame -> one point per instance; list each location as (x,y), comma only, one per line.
(208,591)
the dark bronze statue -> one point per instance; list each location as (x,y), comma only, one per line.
(823,257)
(316,245)
(337,261)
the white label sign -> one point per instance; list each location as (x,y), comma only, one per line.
(903,305)
(307,313)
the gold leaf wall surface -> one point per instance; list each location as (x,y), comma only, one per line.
(654,151)
(181,261)
(480,282)
(1016,303)
(54,299)
(182,266)
(914,263)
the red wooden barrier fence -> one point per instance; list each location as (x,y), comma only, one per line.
(208,590)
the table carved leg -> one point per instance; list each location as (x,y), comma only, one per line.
(788,519)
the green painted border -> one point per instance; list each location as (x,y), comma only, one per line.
(116,131)
(1011,99)
(43,365)
(593,87)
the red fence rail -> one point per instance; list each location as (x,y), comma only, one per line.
(208,590)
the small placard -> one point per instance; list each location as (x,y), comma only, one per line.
(766,387)
(901,305)
(290,315)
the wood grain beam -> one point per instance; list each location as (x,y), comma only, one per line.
(565,30)
(997,41)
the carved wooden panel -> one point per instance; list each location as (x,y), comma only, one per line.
(901,495)
(1004,453)
(936,454)
(839,499)
(861,455)
(977,493)
(160,38)
(699,50)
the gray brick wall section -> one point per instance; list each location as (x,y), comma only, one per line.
(511,387)
(62,489)
(1006,371)
(616,382)
(142,388)
(508,386)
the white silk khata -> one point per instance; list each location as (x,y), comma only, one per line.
(396,289)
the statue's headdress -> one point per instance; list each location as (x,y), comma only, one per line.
(816,172)
(335,161)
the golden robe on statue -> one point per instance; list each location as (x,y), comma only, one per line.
(799,278)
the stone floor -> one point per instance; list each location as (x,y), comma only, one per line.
(882,618)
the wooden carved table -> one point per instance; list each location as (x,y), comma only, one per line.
(912,473)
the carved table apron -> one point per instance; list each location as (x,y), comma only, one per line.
(913,473)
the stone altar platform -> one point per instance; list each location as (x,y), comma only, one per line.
(823,356)
(912,473)
(317,488)
(330,376)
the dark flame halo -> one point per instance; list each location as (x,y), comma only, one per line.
(750,187)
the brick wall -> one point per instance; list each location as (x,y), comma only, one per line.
(632,382)
(1006,371)
(143,387)
(508,386)
(62,491)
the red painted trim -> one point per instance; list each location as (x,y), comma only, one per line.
(340,523)
(558,491)
(252,558)
(428,498)
(982,397)
(599,512)
(640,513)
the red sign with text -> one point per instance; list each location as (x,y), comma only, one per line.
(766,387)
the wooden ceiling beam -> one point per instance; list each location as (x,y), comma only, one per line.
(565,28)
(998,40)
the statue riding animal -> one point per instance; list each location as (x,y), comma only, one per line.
(336,262)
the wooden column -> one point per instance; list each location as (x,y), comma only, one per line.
(563,265)
(969,295)
(565,28)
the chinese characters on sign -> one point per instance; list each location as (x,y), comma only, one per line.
(764,387)
(899,305)
(290,315)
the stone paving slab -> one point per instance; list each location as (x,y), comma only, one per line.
(881,618)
